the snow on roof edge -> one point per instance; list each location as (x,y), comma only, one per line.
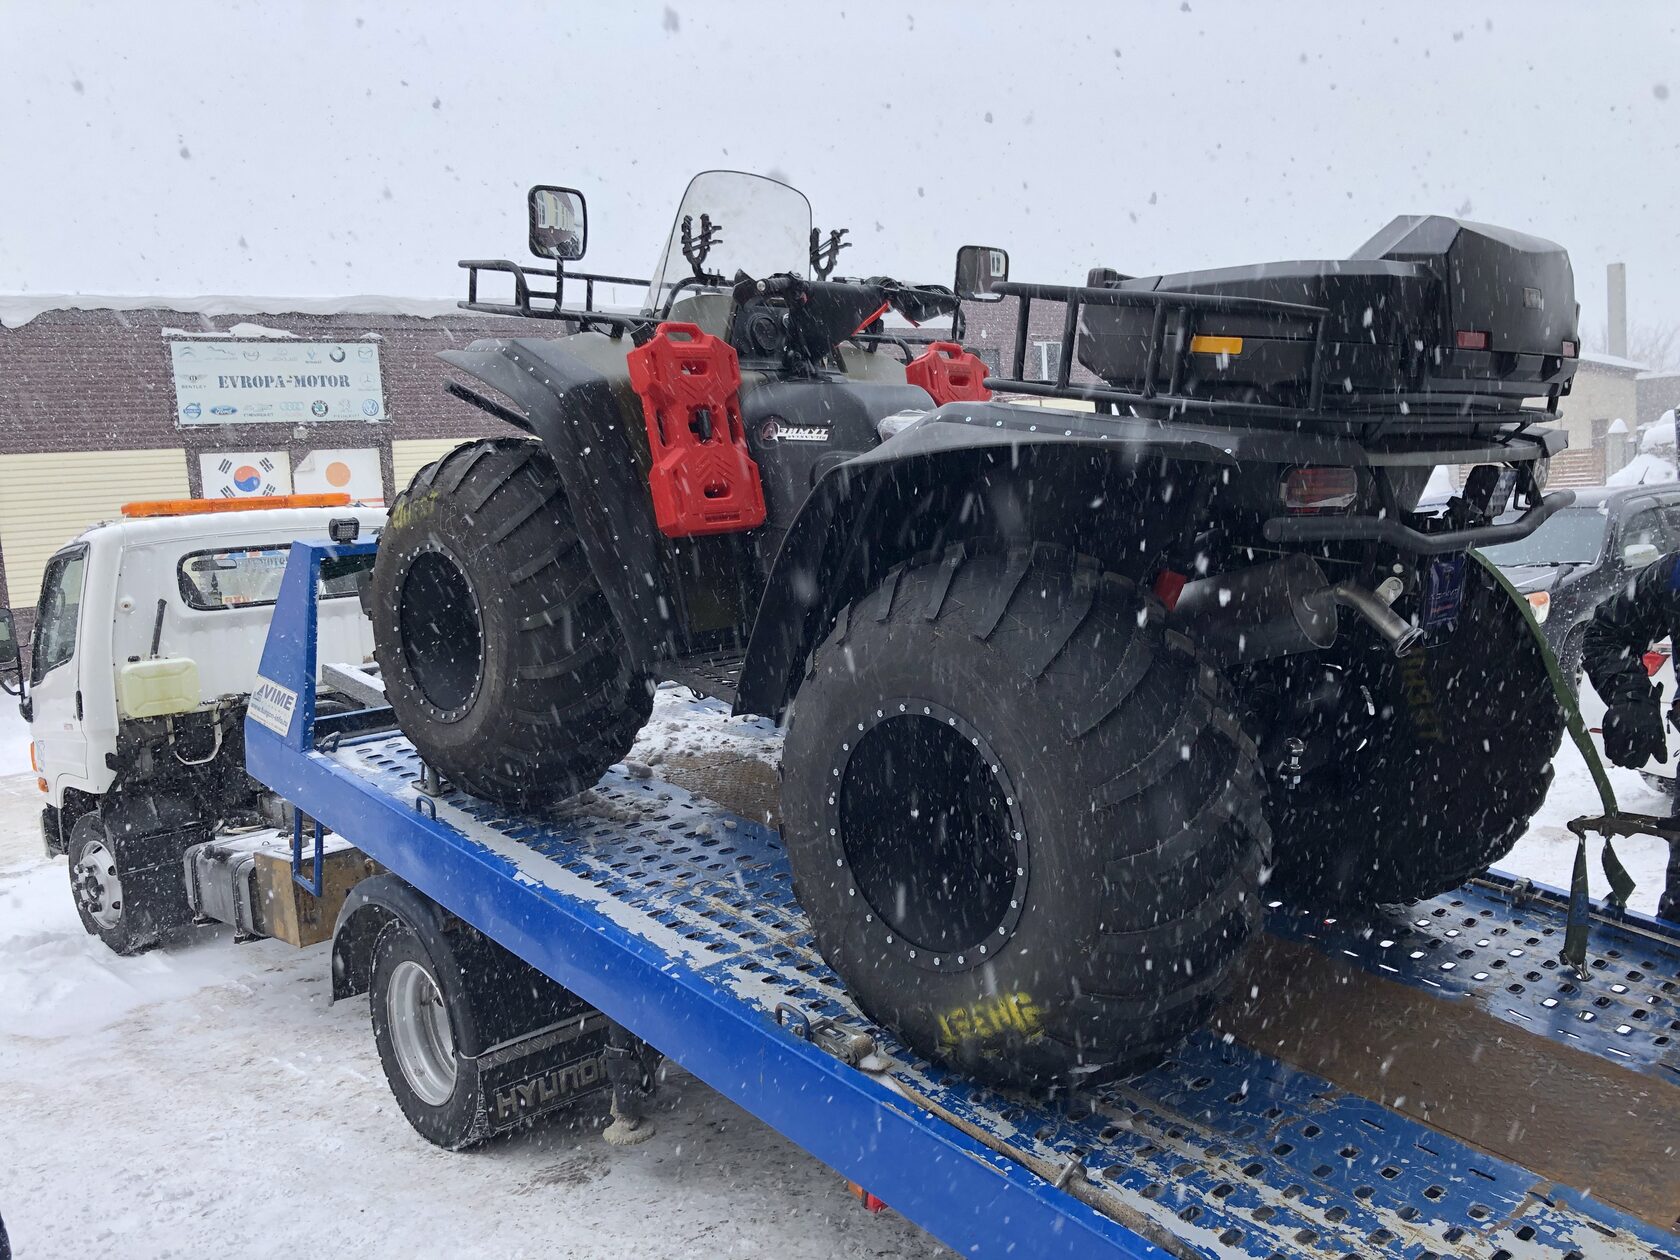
(17,309)
(1611,361)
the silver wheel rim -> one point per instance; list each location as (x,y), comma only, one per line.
(98,889)
(420,1033)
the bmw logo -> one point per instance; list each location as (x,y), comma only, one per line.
(336,354)
(319,407)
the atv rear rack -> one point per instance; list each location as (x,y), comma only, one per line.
(1175,321)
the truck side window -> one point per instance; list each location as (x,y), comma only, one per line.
(249,577)
(57,613)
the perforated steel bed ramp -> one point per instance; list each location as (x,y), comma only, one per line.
(1520,1139)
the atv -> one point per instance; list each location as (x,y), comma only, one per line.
(1067,690)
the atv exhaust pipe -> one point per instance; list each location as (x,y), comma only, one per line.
(1281,608)
(1400,635)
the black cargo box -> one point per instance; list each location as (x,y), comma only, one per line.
(1431,314)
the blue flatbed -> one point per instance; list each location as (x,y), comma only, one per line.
(677,920)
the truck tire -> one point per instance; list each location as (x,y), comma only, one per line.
(96,885)
(1023,821)
(1436,775)
(501,658)
(418,1009)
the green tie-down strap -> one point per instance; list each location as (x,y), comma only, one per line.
(1621,883)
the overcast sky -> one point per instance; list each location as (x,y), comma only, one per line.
(332,149)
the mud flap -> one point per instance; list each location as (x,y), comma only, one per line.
(546,1071)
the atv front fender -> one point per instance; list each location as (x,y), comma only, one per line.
(578,402)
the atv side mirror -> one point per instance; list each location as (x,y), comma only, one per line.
(1638,555)
(559,223)
(980,268)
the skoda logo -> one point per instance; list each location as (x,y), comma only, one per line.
(318,407)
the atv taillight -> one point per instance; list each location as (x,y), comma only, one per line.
(1319,489)
(1571,349)
(1467,340)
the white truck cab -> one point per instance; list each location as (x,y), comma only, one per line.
(147,639)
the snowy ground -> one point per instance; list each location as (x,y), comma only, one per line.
(14,739)
(209,1098)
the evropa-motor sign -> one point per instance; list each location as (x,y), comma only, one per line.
(278,382)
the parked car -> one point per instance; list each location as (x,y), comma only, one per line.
(1584,554)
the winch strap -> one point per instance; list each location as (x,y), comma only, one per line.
(1574,950)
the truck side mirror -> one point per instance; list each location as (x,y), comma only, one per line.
(1638,555)
(559,223)
(9,653)
(980,268)
(11,658)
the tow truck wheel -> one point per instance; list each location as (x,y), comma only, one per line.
(1023,823)
(96,884)
(420,1019)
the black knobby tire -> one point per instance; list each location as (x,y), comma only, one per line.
(1436,775)
(109,907)
(1023,822)
(454,1119)
(501,658)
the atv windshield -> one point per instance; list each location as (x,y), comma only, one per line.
(731,222)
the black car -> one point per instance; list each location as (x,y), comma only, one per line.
(1583,554)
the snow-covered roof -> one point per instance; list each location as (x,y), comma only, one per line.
(1665,374)
(17,309)
(1611,361)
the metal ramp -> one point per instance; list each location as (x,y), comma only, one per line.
(677,919)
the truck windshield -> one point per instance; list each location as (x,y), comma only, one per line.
(57,613)
(1572,536)
(732,222)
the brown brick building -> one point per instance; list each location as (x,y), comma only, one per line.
(90,415)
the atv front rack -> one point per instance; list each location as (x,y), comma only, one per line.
(531,303)
(1177,320)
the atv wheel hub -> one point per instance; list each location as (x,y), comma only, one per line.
(932,833)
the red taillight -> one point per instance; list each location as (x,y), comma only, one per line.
(1319,489)
(1653,662)
(1571,349)
(1471,340)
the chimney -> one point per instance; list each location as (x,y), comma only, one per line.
(1616,283)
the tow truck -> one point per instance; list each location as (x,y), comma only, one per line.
(1424,1081)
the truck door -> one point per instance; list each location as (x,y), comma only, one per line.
(55,671)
